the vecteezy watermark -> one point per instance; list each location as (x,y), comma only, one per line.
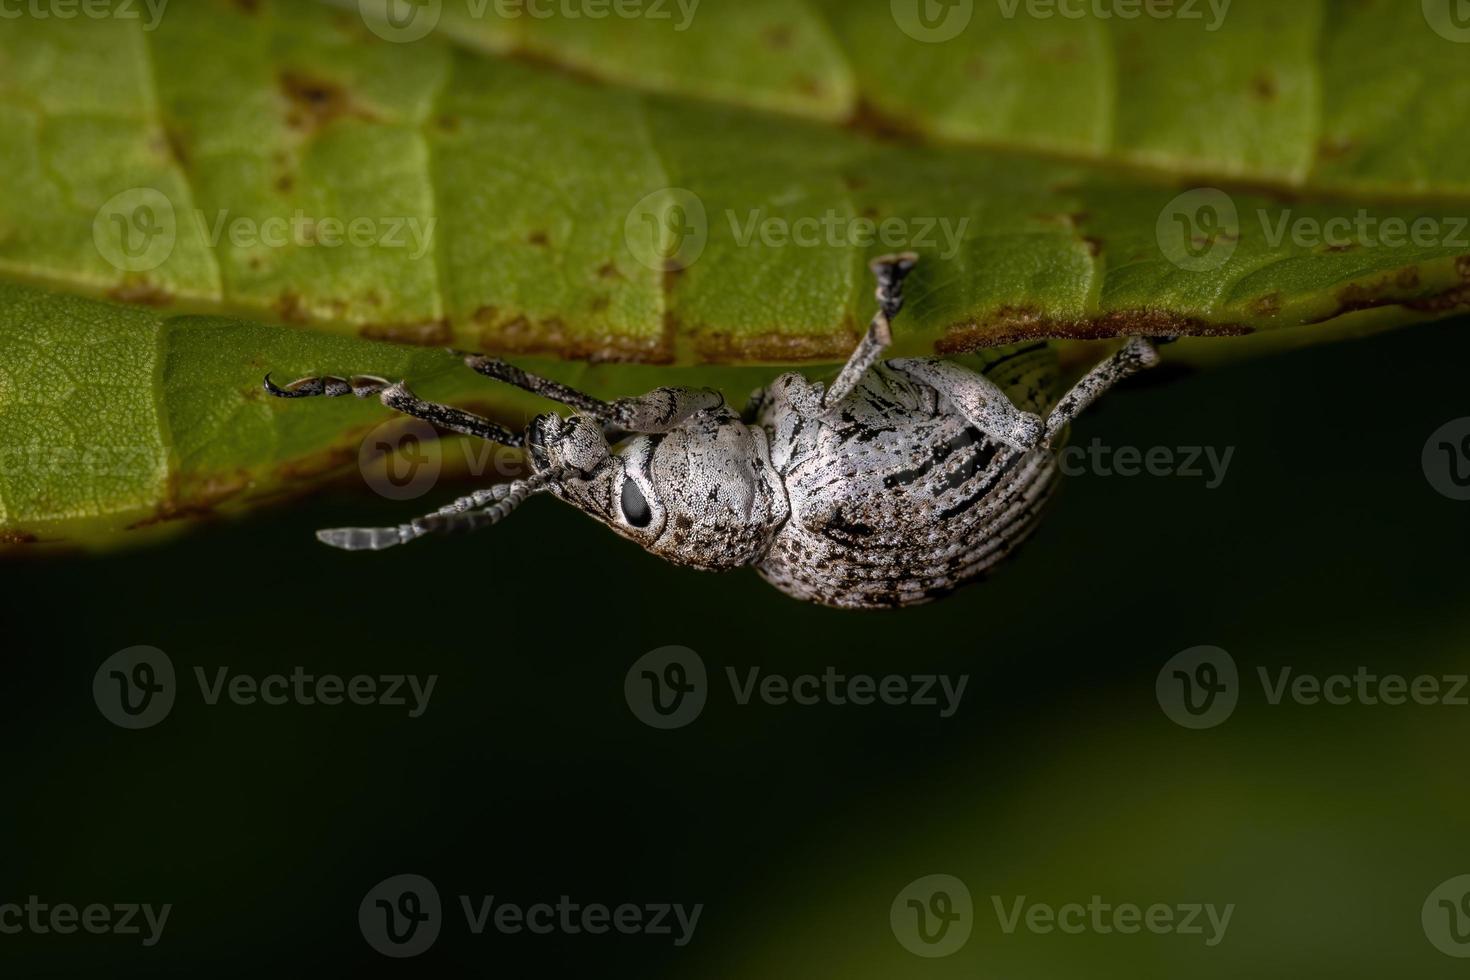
(678,13)
(402,459)
(667,230)
(37,457)
(1199,230)
(1446,917)
(932,916)
(1446,459)
(932,21)
(402,916)
(405,21)
(137,687)
(1450,19)
(1364,230)
(300,230)
(136,230)
(150,12)
(134,688)
(96,918)
(1200,687)
(836,230)
(668,688)
(1208,463)
(1211,13)
(1206,920)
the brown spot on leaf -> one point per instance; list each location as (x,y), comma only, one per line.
(600,303)
(15,536)
(808,86)
(518,334)
(141,292)
(1267,306)
(177,146)
(1336,147)
(777,37)
(722,347)
(1094,245)
(608,270)
(1265,87)
(870,121)
(432,333)
(315,103)
(290,308)
(538,238)
(1011,325)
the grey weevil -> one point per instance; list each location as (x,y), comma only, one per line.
(892,486)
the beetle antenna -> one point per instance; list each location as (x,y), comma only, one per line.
(478,510)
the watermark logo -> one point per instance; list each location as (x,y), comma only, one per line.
(1446,459)
(1104,918)
(592,10)
(1207,463)
(40,918)
(150,12)
(1199,230)
(135,231)
(932,916)
(933,21)
(833,229)
(134,688)
(401,916)
(1364,229)
(667,230)
(1185,10)
(1450,19)
(1446,917)
(401,460)
(667,688)
(1198,688)
(401,21)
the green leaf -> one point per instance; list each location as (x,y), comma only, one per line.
(114,417)
(628,189)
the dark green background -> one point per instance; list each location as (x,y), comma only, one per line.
(528,777)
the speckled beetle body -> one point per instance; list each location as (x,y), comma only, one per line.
(892,486)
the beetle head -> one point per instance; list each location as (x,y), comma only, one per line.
(702,494)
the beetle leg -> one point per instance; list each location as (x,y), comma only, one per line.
(494,367)
(662,409)
(890,270)
(1136,355)
(400,399)
(980,400)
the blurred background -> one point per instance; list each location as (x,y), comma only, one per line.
(528,776)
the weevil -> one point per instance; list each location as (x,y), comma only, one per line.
(891,486)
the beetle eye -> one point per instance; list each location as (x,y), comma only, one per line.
(635,505)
